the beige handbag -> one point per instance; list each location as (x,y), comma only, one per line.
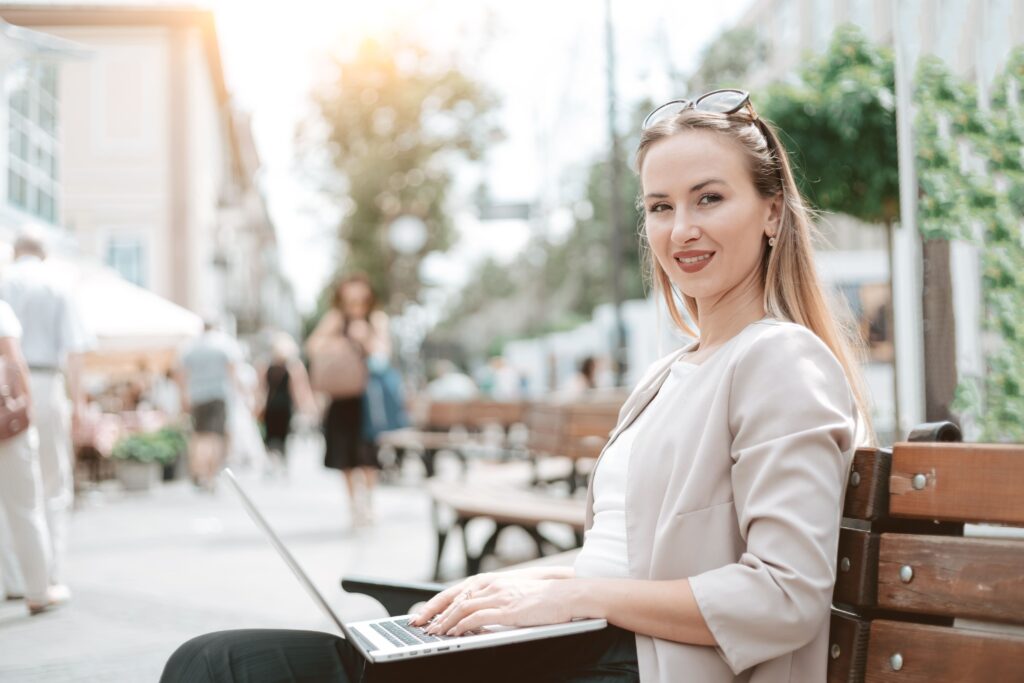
(337,368)
(14,400)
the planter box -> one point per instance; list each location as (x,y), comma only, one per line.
(138,476)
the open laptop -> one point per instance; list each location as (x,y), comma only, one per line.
(385,640)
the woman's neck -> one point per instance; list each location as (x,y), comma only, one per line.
(722,318)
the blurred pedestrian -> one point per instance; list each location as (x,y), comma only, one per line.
(25,560)
(508,382)
(206,378)
(349,333)
(450,383)
(285,387)
(585,378)
(245,442)
(53,338)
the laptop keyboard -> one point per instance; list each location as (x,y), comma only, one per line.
(400,632)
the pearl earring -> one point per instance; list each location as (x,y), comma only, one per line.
(771,241)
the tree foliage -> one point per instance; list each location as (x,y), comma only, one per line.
(971,173)
(839,123)
(552,285)
(392,121)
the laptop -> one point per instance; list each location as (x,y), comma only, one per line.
(393,638)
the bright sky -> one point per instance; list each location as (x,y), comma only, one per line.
(544,59)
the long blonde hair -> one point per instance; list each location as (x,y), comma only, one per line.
(792,290)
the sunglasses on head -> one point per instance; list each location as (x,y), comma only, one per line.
(726,101)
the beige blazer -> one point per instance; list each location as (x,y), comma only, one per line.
(737,482)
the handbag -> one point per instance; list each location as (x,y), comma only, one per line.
(337,368)
(14,400)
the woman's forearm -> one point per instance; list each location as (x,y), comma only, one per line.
(552,572)
(662,609)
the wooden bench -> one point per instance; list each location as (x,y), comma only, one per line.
(916,599)
(908,576)
(574,430)
(506,506)
(454,426)
(577,431)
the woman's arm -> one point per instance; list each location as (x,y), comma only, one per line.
(302,392)
(330,325)
(662,609)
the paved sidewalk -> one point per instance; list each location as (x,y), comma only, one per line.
(148,571)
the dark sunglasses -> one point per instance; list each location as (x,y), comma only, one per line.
(727,101)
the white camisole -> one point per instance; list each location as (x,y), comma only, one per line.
(604,545)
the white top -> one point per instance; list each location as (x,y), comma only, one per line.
(51,323)
(604,545)
(9,325)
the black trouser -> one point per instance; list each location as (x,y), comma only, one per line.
(279,656)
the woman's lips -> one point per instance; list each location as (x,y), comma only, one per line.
(691,262)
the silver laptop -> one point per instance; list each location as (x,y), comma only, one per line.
(385,640)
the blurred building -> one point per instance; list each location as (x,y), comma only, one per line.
(157,171)
(30,189)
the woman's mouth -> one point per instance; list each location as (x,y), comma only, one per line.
(692,261)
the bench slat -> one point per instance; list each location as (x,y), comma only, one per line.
(857,570)
(978,578)
(962,482)
(509,505)
(867,489)
(848,647)
(937,654)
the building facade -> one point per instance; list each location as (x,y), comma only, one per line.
(155,177)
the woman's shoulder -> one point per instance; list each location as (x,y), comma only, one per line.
(781,343)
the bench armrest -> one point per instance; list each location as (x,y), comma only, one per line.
(397,597)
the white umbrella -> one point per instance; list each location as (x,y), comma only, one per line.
(132,325)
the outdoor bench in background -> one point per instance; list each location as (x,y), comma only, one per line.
(571,431)
(919,596)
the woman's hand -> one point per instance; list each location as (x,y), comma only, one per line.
(487,599)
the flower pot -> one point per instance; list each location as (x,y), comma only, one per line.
(138,476)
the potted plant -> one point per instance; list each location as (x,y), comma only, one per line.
(140,458)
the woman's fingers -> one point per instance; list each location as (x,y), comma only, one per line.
(437,605)
(460,610)
(475,620)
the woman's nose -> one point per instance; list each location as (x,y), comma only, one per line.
(684,229)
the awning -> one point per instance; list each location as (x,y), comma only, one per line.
(132,325)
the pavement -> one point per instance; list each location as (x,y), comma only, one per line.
(150,570)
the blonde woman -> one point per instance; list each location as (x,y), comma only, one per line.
(713,513)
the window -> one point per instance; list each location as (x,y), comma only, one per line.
(33,148)
(126,255)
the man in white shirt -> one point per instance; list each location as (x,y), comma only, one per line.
(25,559)
(53,337)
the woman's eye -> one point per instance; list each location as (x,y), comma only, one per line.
(709,198)
(658,208)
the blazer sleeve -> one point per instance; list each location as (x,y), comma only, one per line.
(793,418)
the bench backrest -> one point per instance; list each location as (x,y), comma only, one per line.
(906,570)
(474,415)
(575,430)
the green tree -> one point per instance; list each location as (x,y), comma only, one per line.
(839,122)
(391,123)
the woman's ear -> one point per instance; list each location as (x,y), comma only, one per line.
(771,226)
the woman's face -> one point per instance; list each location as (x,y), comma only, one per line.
(704,218)
(355,299)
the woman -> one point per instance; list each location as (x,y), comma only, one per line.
(284,385)
(713,514)
(353,315)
